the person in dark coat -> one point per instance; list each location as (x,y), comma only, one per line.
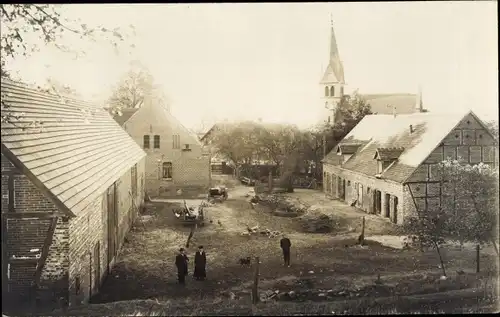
(181,262)
(285,245)
(200,262)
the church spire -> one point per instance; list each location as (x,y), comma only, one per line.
(334,51)
(335,69)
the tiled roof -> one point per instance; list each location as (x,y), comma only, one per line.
(387,154)
(384,103)
(75,152)
(387,131)
(125,115)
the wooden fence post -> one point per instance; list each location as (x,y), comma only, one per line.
(477,258)
(255,288)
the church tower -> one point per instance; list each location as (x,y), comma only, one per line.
(332,83)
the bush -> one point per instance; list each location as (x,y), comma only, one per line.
(316,222)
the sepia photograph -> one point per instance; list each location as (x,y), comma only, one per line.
(249,159)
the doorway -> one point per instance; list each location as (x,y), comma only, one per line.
(343,190)
(395,217)
(377,201)
(387,205)
(112,225)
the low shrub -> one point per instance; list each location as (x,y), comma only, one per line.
(316,222)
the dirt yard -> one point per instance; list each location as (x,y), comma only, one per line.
(329,265)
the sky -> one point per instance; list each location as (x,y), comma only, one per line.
(265,60)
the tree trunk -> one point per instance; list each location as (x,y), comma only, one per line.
(255,288)
(440,259)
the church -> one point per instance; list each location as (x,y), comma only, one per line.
(333,82)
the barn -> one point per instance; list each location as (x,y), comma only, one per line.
(388,164)
(72,184)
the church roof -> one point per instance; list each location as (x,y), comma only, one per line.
(385,103)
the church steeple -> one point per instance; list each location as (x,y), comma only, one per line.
(334,72)
(333,81)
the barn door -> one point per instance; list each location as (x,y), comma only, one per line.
(112,225)
(96,268)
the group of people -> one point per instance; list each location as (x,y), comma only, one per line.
(200,261)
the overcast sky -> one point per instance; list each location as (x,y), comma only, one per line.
(239,61)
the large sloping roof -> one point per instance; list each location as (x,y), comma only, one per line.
(386,131)
(75,151)
(385,103)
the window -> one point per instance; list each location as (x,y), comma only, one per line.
(156,142)
(167,170)
(341,91)
(326,91)
(176,141)
(382,165)
(146,142)
(332,91)
(348,183)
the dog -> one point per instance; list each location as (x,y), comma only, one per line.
(245,261)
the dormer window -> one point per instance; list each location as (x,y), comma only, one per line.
(346,150)
(385,157)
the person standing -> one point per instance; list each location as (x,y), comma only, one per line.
(181,262)
(285,245)
(200,262)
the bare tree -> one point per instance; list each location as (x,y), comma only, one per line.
(130,90)
(280,143)
(45,22)
(236,142)
(20,22)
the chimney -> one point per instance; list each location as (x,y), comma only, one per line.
(418,102)
(411,129)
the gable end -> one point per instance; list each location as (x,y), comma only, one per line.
(20,166)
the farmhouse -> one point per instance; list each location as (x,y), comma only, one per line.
(72,184)
(388,164)
(175,162)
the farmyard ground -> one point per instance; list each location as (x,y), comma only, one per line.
(324,271)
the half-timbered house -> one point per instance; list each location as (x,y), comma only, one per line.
(388,164)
